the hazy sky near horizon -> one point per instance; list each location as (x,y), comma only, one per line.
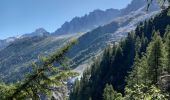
(24,16)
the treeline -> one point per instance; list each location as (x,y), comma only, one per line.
(138,68)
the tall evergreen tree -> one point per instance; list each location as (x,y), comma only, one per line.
(167,30)
(156,58)
(138,75)
(168,53)
(134,75)
(167,46)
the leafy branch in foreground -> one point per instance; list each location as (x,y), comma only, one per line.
(39,81)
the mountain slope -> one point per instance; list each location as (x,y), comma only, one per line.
(99,18)
(88,22)
(38,32)
(136,4)
(117,61)
(17,57)
(4,43)
(93,43)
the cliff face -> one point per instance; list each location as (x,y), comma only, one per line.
(88,22)
(99,18)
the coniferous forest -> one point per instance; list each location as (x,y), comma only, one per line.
(135,68)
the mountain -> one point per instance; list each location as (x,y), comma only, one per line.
(6,42)
(136,4)
(16,58)
(99,18)
(133,6)
(40,32)
(88,21)
(20,54)
(94,42)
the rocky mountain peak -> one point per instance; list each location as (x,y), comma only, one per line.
(38,32)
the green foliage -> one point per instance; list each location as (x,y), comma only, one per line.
(156,58)
(147,71)
(167,47)
(110,94)
(139,72)
(142,55)
(6,90)
(150,66)
(143,92)
(107,69)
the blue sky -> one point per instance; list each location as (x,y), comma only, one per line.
(24,16)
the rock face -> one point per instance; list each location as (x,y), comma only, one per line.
(40,32)
(99,18)
(133,6)
(88,22)
(16,58)
(164,82)
(136,4)
(4,43)
(93,43)
(61,93)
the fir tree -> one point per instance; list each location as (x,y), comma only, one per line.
(156,58)
(167,46)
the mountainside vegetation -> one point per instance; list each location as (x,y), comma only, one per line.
(135,69)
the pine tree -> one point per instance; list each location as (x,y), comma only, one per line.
(167,46)
(156,58)
(134,75)
(138,75)
(167,30)
(144,43)
(138,45)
